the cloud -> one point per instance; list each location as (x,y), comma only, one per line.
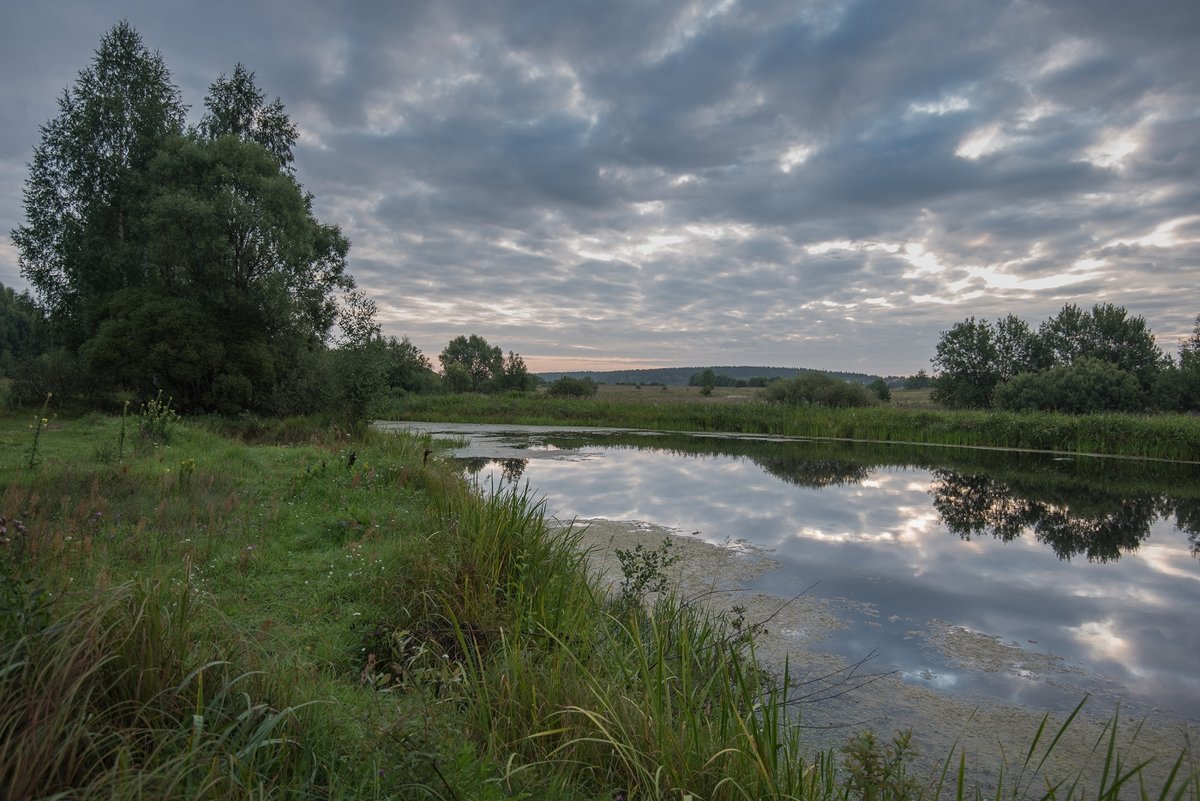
(659,183)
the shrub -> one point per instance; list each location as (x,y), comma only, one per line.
(568,387)
(819,389)
(1088,385)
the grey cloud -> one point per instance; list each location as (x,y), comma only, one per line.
(480,155)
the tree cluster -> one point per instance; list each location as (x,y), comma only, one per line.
(188,261)
(1078,361)
(175,258)
(470,364)
(819,389)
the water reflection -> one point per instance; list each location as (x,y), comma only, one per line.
(1080,573)
(1093,524)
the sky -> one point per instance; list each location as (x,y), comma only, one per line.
(606,184)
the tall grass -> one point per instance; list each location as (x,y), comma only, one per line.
(105,696)
(1168,436)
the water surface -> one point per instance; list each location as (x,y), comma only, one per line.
(1080,575)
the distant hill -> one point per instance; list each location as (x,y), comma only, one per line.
(678,376)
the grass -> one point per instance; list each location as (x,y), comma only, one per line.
(322,614)
(1167,436)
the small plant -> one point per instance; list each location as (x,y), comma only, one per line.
(644,571)
(39,424)
(121,437)
(157,421)
(877,772)
(111,454)
(187,469)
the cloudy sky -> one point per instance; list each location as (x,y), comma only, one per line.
(604,184)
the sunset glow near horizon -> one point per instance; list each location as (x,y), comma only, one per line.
(627,185)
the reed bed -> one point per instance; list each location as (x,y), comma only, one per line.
(1166,436)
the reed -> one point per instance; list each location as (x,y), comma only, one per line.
(1166,436)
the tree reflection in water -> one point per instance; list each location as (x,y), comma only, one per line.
(1095,508)
(1098,526)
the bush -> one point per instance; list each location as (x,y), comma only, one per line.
(568,387)
(1088,385)
(1177,389)
(819,389)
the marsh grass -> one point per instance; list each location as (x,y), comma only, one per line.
(212,619)
(106,696)
(1166,436)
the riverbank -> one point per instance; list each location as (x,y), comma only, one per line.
(836,696)
(315,613)
(1168,436)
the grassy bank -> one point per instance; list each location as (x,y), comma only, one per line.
(320,615)
(1174,437)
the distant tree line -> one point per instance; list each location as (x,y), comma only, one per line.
(1078,361)
(709,378)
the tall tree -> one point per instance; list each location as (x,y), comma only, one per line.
(482,362)
(966,362)
(237,107)
(84,186)
(185,261)
(514,375)
(227,227)
(1178,387)
(1018,349)
(408,368)
(22,329)
(1107,333)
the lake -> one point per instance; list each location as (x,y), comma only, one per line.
(985,577)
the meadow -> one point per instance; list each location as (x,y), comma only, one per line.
(292,609)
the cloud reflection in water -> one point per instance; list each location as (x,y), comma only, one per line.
(1043,555)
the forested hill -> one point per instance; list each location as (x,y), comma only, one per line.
(679,376)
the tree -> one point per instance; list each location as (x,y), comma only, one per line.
(1177,387)
(85,187)
(148,342)
(880,388)
(225,229)
(919,381)
(23,333)
(514,375)
(1018,348)
(236,107)
(458,378)
(361,358)
(966,362)
(1189,349)
(407,368)
(481,361)
(1107,333)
